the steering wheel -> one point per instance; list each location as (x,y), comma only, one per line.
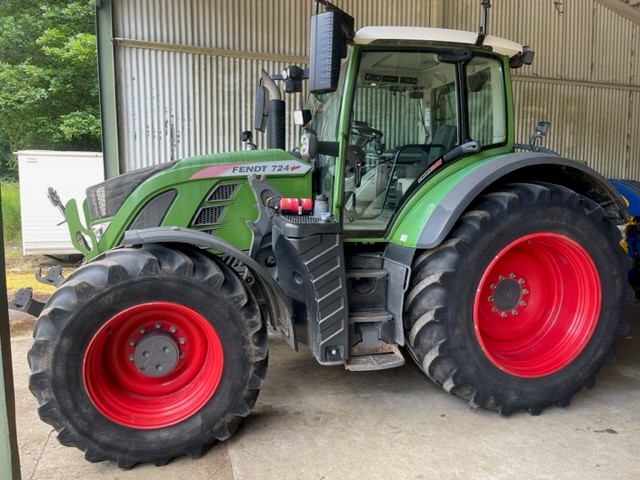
(364,133)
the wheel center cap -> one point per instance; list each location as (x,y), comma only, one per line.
(507,294)
(156,354)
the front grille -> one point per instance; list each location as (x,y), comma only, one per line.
(223,192)
(209,215)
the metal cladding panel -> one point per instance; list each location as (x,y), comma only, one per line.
(632,166)
(615,60)
(187,70)
(560,33)
(276,26)
(587,123)
(176,104)
(582,41)
(405,12)
(585,79)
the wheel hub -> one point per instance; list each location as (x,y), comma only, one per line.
(508,294)
(156,354)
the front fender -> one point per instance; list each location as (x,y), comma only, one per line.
(436,208)
(279,307)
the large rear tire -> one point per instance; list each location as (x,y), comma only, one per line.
(519,307)
(148,354)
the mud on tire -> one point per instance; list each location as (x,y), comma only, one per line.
(148,354)
(519,307)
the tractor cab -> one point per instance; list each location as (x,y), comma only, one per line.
(391,107)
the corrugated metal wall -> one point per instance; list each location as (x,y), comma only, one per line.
(585,78)
(187,70)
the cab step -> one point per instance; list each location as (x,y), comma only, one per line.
(370,316)
(366,273)
(380,357)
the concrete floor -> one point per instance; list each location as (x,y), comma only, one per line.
(314,422)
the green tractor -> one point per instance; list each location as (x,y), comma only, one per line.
(408,222)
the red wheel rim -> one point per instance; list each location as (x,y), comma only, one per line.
(153,365)
(537,305)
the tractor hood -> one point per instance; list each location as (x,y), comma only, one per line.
(106,198)
(210,193)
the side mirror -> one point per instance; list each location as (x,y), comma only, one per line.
(528,55)
(331,30)
(524,58)
(541,130)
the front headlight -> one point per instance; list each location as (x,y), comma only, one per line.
(99,229)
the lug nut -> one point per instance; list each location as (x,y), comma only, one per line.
(158,325)
(173,329)
(132,342)
(142,331)
(182,341)
(523,303)
(503,314)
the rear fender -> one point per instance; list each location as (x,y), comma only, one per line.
(278,305)
(444,206)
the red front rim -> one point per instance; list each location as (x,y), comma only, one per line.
(153,365)
(537,305)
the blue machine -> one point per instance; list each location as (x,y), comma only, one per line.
(630,190)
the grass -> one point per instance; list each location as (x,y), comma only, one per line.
(11,212)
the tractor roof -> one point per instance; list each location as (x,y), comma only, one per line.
(413,35)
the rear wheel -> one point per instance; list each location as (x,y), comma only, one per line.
(518,309)
(147,354)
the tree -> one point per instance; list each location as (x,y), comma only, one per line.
(48,77)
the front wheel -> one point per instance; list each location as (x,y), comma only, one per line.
(147,354)
(518,309)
